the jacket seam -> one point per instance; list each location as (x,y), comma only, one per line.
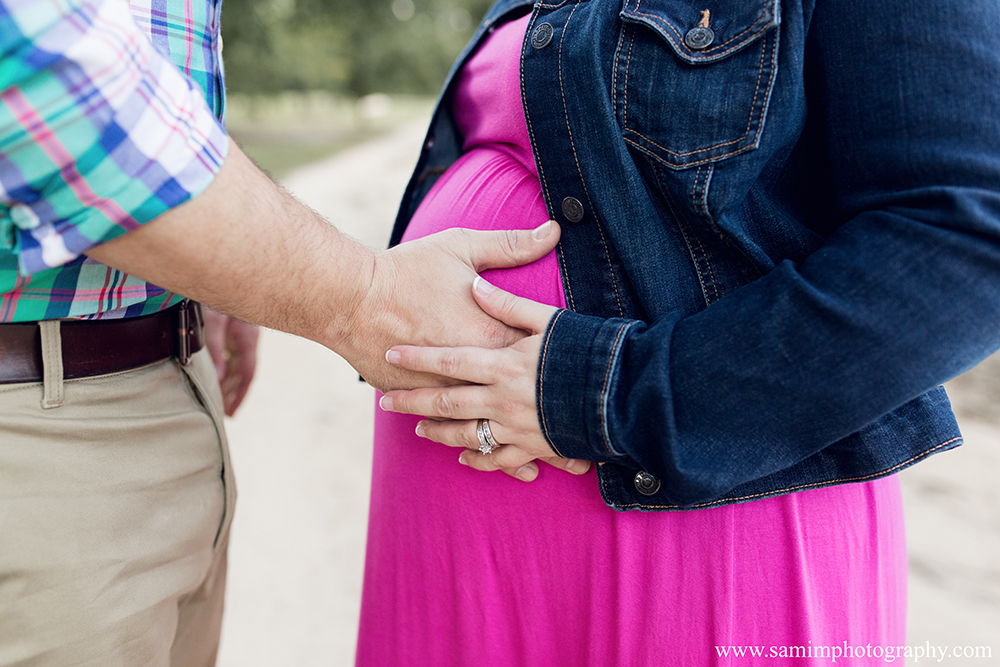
(605,395)
(541,383)
(527,118)
(696,249)
(566,282)
(614,75)
(628,65)
(704,197)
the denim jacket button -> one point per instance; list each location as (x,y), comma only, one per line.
(541,36)
(572,209)
(699,38)
(646,484)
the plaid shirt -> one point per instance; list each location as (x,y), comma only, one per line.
(109,118)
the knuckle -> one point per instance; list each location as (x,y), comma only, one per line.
(510,242)
(443,406)
(507,306)
(449,364)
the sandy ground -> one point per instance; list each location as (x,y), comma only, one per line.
(302,452)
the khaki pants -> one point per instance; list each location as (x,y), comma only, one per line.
(114,519)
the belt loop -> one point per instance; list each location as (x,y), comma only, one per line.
(52,364)
(184,333)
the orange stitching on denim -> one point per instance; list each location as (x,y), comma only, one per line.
(802,487)
(682,226)
(710,53)
(541,382)
(614,73)
(607,256)
(541,172)
(604,389)
(704,195)
(628,68)
(705,16)
(647,151)
(760,73)
(566,286)
(727,143)
(697,251)
(711,285)
(531,131)
(562,92)
(576,159)
(694,188)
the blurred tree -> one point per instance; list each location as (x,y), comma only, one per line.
(347,46)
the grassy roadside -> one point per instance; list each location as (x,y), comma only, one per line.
(285,131)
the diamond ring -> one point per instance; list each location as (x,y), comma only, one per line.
(487,443)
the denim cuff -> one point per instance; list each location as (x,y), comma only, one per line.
(576,375)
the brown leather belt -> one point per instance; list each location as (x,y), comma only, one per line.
(99,347)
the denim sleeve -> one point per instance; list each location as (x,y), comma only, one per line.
(902,296)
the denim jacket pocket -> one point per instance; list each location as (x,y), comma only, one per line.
(691,85)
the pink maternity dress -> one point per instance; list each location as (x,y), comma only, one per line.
(471,568)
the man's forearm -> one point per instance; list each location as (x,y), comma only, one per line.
(247,248)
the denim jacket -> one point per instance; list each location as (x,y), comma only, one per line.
(781,233)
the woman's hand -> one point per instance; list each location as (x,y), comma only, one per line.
(502,391)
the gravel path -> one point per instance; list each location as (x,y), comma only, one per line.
(302,451)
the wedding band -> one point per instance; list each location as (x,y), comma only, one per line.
(487,443)
(489,434)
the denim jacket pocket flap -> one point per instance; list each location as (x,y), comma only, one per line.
(691,87)
(704,35)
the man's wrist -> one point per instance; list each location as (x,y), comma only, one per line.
(358,304)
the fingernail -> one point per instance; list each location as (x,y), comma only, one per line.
(481,286)
(420,430)
(577,467)
(525,473)
(392,356)
(541,232)
(385,403)
(461,459)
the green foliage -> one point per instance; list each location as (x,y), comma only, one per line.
(353,47)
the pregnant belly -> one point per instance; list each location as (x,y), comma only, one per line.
(488,189)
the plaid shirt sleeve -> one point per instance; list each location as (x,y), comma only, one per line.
(99,132)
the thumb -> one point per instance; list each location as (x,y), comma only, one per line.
(513,311)
(513,247)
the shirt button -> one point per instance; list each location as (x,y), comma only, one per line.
(646,484)
(699,38)
(572,209)
(24,216)
(541,36)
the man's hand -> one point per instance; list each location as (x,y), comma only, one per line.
(233,346)
(421,294)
